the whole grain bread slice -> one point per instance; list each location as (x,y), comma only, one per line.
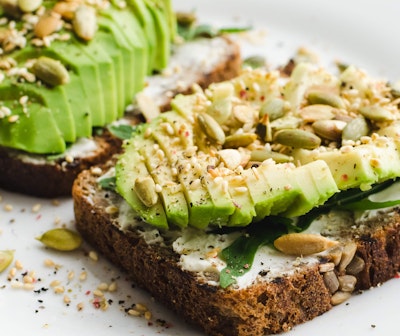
(216,59)
(274,302)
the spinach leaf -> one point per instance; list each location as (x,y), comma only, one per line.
(239,256)
(108,183)
(123,132)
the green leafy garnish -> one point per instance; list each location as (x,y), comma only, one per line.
(240,254)
(352,199)
(108,183)
(122,132)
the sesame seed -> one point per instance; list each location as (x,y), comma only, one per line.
(103,286)
(93,255)
(134,312)
(112,209)
(36,208)
(59,289)
(8,207)
(18,265)
(83,276)
(112,287)
(80,306)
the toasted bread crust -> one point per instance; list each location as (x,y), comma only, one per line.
(266,307)
(55,178)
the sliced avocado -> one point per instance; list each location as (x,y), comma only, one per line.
(267,195)
(146,21)
(135,34)
(224,206)
(163,36)
(95,50)
(173,198)
(280,193)
(79,105)
(244,207)
(198,199)
(53,98)
(129,167)
(316,185)
(79,62)
(35,130)
(125,47)
(111,47)
(361,166)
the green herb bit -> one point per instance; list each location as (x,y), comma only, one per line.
(255,62)
(61,239)
(123,132)
(108,183)
(240,254)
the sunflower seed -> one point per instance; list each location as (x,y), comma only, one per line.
(85,22)
(303,243)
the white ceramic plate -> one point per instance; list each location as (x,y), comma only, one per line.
(361,32)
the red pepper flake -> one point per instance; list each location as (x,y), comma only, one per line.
(87,292)
(187,134)
(397,275)
(96,303)
(262,98)
(345,177)
(38,217)
(242,94)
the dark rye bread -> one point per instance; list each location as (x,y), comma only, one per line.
(265,307)
(37,176)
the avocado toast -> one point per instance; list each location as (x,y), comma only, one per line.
(249,207)
(50,129)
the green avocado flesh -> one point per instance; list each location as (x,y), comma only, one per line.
(185,168)
(104,75)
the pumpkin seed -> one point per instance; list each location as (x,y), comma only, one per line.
(325,97)
(273,107)
(297,138)
(61,239)
(355,129)
(316,112)
(211,128)
(261,155)
(85,22)
(376,113)
(239,140)
(6,257)
(29,6)
(303,243)
(50,71)
(185,19)
(145,188)
(329,129)
(255,61)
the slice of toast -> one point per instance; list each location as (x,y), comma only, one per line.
(273,300)
(45,176)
